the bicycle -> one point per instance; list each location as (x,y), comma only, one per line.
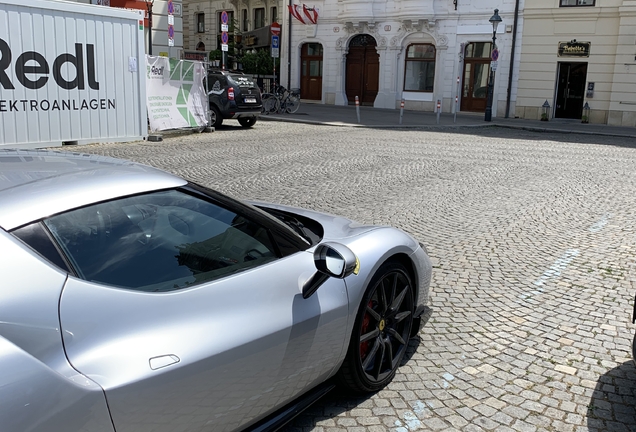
(289,100)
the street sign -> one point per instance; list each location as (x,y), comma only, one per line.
(223,47)
(170,7)
(225,27)
(275,29)
(224,38)
(224,17)
(494,56)
(275,48)
(493,65)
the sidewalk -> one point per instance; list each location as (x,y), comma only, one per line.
(332,115)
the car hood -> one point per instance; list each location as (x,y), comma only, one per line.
(336,227)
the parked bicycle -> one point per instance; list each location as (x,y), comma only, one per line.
(281,100)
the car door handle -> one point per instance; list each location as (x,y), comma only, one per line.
(163,361)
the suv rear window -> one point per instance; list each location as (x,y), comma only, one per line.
(241,80)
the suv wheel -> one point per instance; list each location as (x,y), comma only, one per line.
(215,117)
(247,122)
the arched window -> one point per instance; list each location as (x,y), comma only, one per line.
(200,46)
(419,71)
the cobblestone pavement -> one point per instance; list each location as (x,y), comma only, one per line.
(533,239)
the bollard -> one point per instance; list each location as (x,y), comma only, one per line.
(455,116)
(439,109)
(456,101)
(358,108)
(401,110)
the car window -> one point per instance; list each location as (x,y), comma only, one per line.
(241,80)
(37,238)
(159,242)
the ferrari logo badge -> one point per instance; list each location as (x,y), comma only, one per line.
(381,325)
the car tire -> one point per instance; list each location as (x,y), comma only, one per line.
(381,331)
(215,116)
(247,122)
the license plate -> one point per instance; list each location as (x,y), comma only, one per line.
(250,100)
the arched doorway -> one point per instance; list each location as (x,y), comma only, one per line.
(363,70)
(311,71)
(200,46)
(476,75)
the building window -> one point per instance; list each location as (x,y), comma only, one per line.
(259,18)
(245,20)
(200,23)
(419,73)
(577,3)
(274,14)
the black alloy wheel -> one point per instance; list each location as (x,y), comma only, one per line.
(215,116)
(247,122)
(381,332)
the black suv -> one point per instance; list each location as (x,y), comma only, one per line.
(233,95)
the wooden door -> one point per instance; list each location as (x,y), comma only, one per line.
(476,76)
(363,70)
(311,71)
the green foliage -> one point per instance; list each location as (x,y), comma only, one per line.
(215,54)
(260,62)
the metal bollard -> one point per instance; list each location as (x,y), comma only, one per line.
(455,116)
(401,110)
(439,109)
(358,108)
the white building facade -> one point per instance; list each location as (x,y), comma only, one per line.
(422,51)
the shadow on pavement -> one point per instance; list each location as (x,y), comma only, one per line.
(337,402)
(504,132)
(613,403)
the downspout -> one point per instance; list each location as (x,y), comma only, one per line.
(512,59)
(289,46)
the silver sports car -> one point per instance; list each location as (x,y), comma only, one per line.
(133,300)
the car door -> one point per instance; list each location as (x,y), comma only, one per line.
(189,315)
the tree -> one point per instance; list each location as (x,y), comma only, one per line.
(259,62)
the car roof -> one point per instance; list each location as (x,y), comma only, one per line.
(35,184)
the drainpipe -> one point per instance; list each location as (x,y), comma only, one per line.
(512,59)
(289,47)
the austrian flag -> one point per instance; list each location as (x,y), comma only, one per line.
(304,14)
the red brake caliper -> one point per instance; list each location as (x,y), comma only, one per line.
(366,320)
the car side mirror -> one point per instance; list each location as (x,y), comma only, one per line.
(331,260)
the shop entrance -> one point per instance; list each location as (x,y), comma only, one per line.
(363,70)
(476,73)
(311,71)
(570,90)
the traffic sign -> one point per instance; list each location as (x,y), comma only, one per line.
(224,47)
(275,46)
(170,7)
(224,38)
(494,55)
(493,65)
(224,17)
(275,29)
(225,27)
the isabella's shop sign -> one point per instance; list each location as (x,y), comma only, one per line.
(574,49)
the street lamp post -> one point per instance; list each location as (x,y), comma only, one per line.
(494,20)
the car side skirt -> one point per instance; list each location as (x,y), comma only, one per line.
(286,414)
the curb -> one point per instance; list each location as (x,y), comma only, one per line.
(565,131)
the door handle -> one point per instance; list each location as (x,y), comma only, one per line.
(163,361)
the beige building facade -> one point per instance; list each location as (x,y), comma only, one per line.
(578,52)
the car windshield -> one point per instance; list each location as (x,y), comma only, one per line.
(241,80)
